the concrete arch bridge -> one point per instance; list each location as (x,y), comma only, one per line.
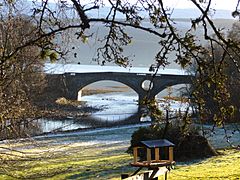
(76,77)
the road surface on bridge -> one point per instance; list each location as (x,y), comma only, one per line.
(51,68)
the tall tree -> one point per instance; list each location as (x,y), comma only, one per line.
(220,79)
(21,75)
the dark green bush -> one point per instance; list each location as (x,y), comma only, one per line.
(188,145)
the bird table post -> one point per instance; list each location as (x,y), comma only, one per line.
(170,153)
(135,156)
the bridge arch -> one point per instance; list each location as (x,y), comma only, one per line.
(119,103)
(166,81)
(76,82)
(175,90)
(87,83)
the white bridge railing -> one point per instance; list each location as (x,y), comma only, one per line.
(51,68)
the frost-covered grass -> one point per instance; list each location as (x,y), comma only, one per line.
(104,161)
(99,154)
(74,161)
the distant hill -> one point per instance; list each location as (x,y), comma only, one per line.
(103,11)
(144,46)
(193,13)
(177,13)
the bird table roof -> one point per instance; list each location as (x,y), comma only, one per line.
(157,143)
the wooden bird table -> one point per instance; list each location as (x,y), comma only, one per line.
(158,160)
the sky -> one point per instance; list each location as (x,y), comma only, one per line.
(217,4)
(183,4)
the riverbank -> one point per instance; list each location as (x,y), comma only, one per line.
(110,89)
(96,110)
(61,108)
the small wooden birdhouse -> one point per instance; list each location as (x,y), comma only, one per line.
(159,153)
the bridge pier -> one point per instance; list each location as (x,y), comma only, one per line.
(72,94)
(142,109)
(79,97)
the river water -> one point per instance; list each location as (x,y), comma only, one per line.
(116,108)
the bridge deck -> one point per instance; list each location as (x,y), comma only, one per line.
(75,68)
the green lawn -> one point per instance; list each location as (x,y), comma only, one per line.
(225,166)
(75,161)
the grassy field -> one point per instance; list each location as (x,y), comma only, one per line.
(225,166)
(72,161)
(103,161)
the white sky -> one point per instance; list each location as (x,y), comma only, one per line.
(182,4)
(217,4)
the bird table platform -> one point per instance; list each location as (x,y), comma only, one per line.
(158,154)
